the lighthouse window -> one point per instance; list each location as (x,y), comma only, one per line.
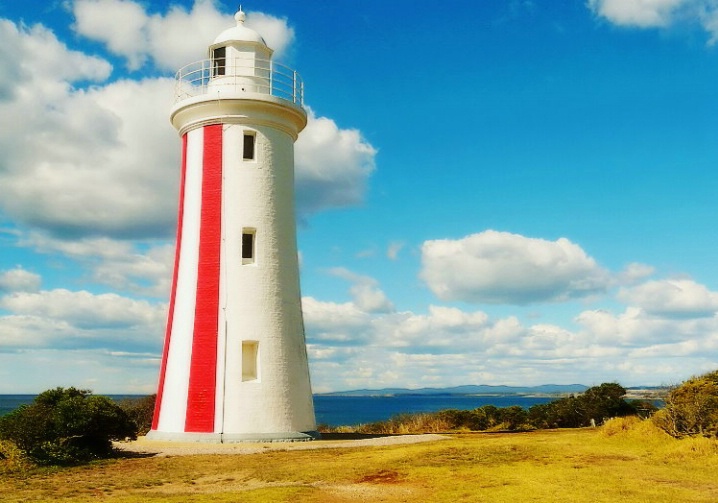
(248,151)
(248,246)
(250,357)
(219,59)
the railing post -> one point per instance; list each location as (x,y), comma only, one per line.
(294,87)
(194,79)
(271,77)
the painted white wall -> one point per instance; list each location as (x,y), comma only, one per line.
(174,397)
(263,301)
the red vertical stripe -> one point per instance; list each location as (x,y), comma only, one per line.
(203,367)
(173,293)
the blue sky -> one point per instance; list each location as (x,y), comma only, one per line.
(504,192)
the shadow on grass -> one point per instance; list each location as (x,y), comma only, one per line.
(123,454)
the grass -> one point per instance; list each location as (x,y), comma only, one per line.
(627,460)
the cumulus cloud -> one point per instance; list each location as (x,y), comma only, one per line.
(335,324)
(634,272)
(630,328)
(135,267)
(333,165)
(19,280)
(97,151)
(46,61)
(635,331)
(660,13)
(672,298)
(644,13)
(503,268)
(349,347)
(85,310)
(168,40)
(65,320)
(108,157)
(365,291)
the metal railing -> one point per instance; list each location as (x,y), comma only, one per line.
(239,75)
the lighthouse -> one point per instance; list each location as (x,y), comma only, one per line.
(234,366)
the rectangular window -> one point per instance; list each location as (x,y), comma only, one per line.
(248,244)
(219,61)
(250,363)
(248,150)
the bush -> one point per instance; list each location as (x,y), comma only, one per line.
(596,405)
(691,408)
(140,411)
(66,426)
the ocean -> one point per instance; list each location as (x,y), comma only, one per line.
(352,410)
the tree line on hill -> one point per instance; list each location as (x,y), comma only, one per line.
(66,426)
(690,409)
(592,407)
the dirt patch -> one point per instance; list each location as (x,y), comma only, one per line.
(382,477)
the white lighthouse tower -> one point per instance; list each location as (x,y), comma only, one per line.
(234,366)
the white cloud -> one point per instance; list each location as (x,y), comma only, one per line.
(335,324)
(503,268)
(19,280)
(332,166)
(123,265)
(84,310)
(103,342)
(635,328)
(643,13)
(629,328)
(46,63)
(393,250)
(169,40)
(365,292)
(442,329)
(672,298)
(635,272)
(108,157)
(118,23)
(37,70)
(276,32)
(447,346)
(660,13)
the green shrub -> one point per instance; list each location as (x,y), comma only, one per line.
(691,408)
(140,411)
(596,405)
(66,426)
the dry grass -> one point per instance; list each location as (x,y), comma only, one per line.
(402,424)
(625,461)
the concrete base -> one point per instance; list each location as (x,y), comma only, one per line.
(233,438)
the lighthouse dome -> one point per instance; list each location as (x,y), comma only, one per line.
(239,33)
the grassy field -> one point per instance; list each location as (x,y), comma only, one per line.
(626,461)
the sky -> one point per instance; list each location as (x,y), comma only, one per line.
(515,192)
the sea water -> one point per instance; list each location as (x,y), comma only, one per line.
(335,410)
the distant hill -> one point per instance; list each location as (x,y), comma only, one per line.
(470,389)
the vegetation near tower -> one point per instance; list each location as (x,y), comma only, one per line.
(691,408)
(67,426)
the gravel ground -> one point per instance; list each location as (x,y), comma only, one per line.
(142,445)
